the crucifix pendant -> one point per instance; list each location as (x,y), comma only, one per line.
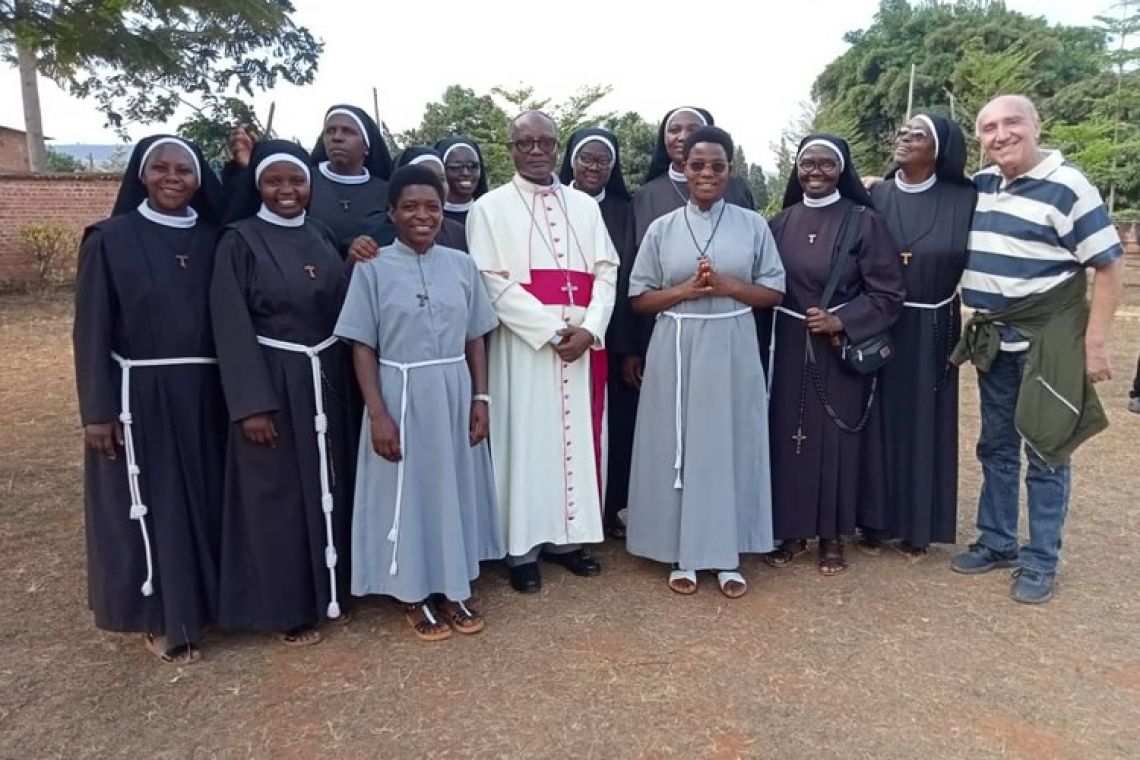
(799,438)
(182,259)
(344,204)
(311,271)
(569,290)
(423,298)
(811,238)
(905,256)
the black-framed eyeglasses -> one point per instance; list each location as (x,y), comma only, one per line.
(527,145)
(823,164)
(594,162)
(918,135)
(463,166)
(698,165)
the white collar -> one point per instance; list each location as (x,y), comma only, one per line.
(526,185)
(919,187)
(677,176)
(599,197)
(458,208)
(267,215)
(823,202)
(343,179)
(169,220)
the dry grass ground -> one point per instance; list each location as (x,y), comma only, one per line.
(890,660)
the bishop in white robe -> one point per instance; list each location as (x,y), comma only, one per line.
(550,270)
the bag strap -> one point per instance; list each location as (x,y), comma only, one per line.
(848,234)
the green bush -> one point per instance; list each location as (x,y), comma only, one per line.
(55,250)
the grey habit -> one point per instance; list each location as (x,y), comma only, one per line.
(448,520)
(724,505)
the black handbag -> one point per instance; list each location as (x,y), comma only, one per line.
(868,356)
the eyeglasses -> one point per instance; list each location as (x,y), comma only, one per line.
(918,135)
(527,145)
(823,164)
(590,162)
(466,166)
(698,165)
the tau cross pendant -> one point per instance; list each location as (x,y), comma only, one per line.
(182,259)
(423,298)
(344,204)
(311,270)
(905,256)
(811,238)
(799,438)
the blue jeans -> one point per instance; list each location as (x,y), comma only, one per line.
(999,452)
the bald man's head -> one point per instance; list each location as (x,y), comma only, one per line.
(532,117)
(1008,128)
(532,137)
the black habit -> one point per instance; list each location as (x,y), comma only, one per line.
(820,490)
(142,291)
(285,283)
(918,388)
(345,208)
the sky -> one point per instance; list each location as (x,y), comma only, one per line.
(655,60)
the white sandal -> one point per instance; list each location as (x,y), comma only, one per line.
(731,576)
(683,575)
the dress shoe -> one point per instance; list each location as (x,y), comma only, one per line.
(577,562)
(525,578)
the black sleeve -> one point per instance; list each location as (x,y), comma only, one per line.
(92,333)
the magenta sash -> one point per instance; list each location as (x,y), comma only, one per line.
(553,287)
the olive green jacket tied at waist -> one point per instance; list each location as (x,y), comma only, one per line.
(1057,407)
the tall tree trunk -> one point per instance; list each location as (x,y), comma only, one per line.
(33,121)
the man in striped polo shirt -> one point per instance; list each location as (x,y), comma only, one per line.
(1039,223)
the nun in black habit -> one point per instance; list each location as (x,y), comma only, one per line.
(275,297)
(592,164)
(151,403)
(819,410)
(380,231)
(466,175)
(928,204)
(352,169)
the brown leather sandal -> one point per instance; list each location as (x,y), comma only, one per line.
(831,559)
(460,617)
(787,551)
(423,619)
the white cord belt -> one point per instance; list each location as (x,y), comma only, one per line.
(939,305)
(772,338)
(321,425)
(405,368)
(138,509)
(677,423)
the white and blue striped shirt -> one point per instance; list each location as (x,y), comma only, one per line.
(1032,233)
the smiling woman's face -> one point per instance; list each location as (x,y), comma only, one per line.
(818,171)
(284,189)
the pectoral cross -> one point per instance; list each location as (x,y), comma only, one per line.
(311,270)
(182,259)
(569,290)
(423,298)
(905,256)
(344,204)
(811,238)
(799,438)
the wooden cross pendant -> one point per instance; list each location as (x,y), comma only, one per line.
(905,256)
(799,438)
(344,204)
(182,259)
(811,238)
(311,270)
(423,298)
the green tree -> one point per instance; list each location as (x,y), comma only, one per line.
(636,139)
(64,163)
(209,127)
(461,112)
(950,45)
(141,59)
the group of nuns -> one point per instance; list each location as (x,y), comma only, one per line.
(244,460)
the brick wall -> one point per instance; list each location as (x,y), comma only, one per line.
(72,201)
(13,150)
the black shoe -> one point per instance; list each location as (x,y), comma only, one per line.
(525,578)
(614,527)
(577,562)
